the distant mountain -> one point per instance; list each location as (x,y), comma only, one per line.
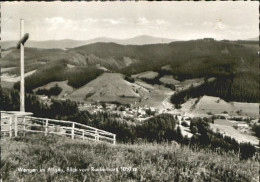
(144,39)
(48,44)
(253,39)
(68,43)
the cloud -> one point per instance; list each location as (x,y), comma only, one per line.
(188,24)
(161,22)
(89,21)
(221,26)
(207,24)
(55,20)
(142,21)
(111,21)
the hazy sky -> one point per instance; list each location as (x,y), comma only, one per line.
(86,20)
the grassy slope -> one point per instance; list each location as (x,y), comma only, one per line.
(215,105)
(153,162)
(107,87)
(62,84)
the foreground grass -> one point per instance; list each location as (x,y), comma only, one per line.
(149,162)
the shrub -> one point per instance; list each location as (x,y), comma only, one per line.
(55,90)
(256,129)
(184,123)
(194,130)
(247,150)
(129,79)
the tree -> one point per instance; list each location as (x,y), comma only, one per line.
(179,134)
(194,130)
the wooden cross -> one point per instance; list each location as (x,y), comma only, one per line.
(20,45)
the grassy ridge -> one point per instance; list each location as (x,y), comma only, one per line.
(154,162)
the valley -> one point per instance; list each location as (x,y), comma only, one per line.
(142,81)
(130,91)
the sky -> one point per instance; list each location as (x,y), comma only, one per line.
(86,20)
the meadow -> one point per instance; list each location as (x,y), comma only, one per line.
(63,159)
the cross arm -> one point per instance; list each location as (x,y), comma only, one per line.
(22,40)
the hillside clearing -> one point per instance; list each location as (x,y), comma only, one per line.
(146,75)
(168,79)
(66,89)
(189,82)
(232,132)
(108,87)
(13,78)
(215,105)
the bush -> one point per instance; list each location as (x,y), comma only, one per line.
(129,79)
(256,129)
(170,86)
(55,90)
(194,130)
(184,123)
(247,150)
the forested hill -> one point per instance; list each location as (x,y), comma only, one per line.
(184,59)
(190,56)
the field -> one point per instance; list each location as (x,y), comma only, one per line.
(146,75)
(8,85)
(225,122)
(66,89)
(65,160)
(215,105)
(187,83)
(232,132)
(157,96)
(168,79)
(13,78)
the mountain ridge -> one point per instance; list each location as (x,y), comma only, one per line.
(70,43)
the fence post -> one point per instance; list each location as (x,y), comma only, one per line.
(24,126)
(83,134)
(72,131)
(46,127)
(15,126)
(114,139)
(96,136)
(10,127)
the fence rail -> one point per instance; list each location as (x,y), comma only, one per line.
(12,125)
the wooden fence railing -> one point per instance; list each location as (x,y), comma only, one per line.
(13,126)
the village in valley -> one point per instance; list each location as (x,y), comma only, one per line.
(100,91)
(233,121)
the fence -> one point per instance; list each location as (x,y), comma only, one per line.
(12,126)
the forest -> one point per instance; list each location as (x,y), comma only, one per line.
(58,71)
(240,87)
